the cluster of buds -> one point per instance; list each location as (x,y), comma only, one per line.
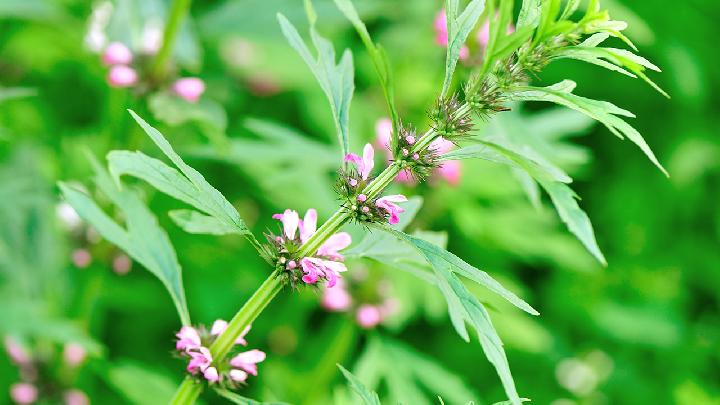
(118,58)
(451,119)
(193,344)
(324,264)
(351,186)
(31,388)
(369,309)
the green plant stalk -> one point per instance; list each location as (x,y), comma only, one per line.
(189,390)
(178,12)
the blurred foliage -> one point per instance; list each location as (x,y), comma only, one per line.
(643,330)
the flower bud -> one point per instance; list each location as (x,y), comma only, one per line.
(368,316)
(362,198)
(189,88)
(75,397)
(81,258)
(122,76)
(74,354)
(116,53)
(23,393)
(410,140)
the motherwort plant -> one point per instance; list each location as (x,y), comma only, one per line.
(301,254)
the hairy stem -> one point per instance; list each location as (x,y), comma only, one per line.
(178,11)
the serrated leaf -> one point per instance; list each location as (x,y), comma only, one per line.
(458,28)
(378,56)
(606,113)
(195,222)
(368,397)
(239,399)
(335,80)
(142,239)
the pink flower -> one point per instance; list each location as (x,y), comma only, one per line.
(368,316)
(405,177)
(121,264)
(290,221)
(81,258)
(450,171)
(211,374)
(337,299)
(238,375)
(75,397)
(16,352)
(188,339)
(383,132)
(122,76)
(247,361)
(189,88)
(364,164)
(308,225)
(388,204)
(336,242)
(315,269)
(116,53)
(219,327)
(23,393)
(74,354)
(200,359)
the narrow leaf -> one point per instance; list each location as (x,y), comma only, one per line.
(458,27)
(195,222)
(368,397)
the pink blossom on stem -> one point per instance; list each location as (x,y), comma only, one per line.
(116,53)
(290,221)
(211,374)
(122,76)
(333,244)
(450,171)
(388,204)
(189,88)
(16,352)
(200,359)
(74,354)
(23,393)
(219,327)
(247,361)
(188,339)
(336,299)
(308,225)
(238,375)
(75,397)
(368,316)
(364,164)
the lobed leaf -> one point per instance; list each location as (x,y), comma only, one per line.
(142,239)
(335,80)
(602,111)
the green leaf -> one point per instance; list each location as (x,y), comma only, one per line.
(409,374)
(138,384)
(9,93)
(465,307)
(458,28)
(239,399)
(335,80)
(379,58)
(207,114)
(143,239)
(195,222)
(529,14)
(606,113)
(368,397)
(610,58)
(187,185)
(561,195)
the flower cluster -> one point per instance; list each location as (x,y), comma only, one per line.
(326,263)
(450,119)
(193,343)
(352,184)
(426,165)
(122,73)
(369,309)
(35,374)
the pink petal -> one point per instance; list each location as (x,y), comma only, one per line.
(122,76)
(241,339)
(351,157)
(450,171)
(368,160)
(290,220)
(336,298)
(441,145)
(338,241)
(238,375)
(394,198)
(189,88)
(383,132)
(308,225)
(368,316)
(116,53)
(211,374)
(218,327)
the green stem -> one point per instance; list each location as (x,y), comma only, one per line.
(178,11)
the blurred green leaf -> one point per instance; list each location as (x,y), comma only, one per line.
(139,384)
(143,239)
(239,399)
(368,397)
(335,80)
